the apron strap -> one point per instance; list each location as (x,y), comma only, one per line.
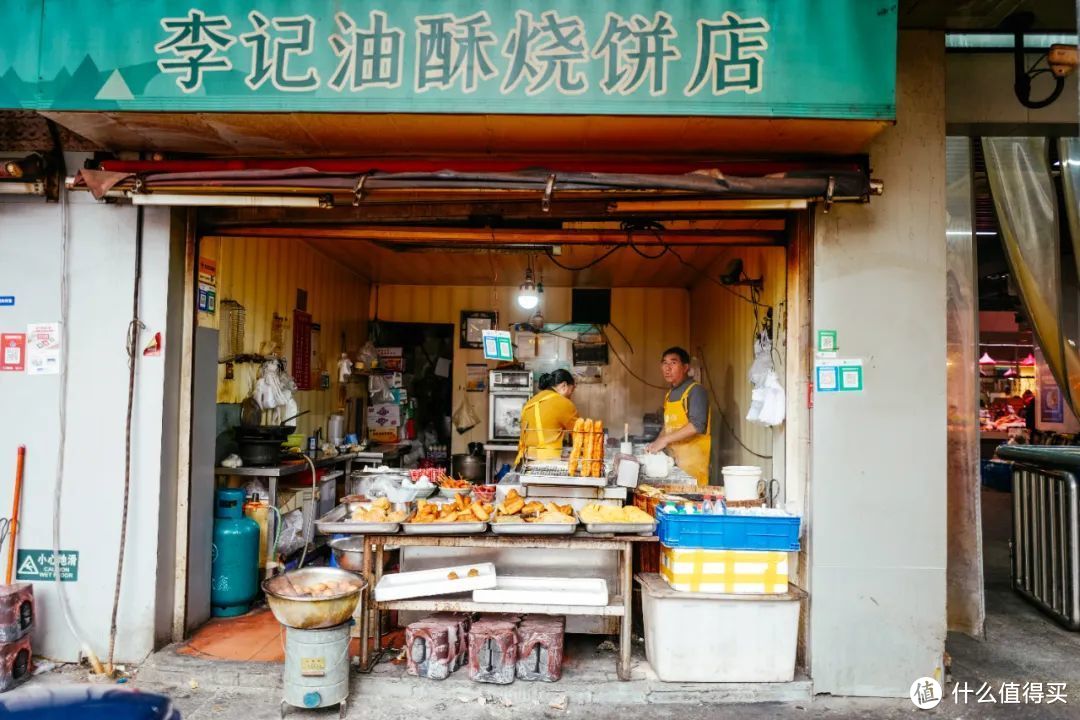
(539,430)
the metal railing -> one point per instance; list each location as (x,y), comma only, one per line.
(1046,529)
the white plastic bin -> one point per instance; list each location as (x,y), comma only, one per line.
(695,637)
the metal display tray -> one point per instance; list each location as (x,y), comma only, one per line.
(567,480)
(444,528)
(525,528)
(334,523)
(621,528)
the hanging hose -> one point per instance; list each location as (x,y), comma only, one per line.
(132,350)
(314,508)
(61,439)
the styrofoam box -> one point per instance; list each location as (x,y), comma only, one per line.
(425,583)
(693,637)
(545,591)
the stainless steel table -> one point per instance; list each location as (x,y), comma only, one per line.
(274,472)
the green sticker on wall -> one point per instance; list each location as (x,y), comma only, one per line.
(827,342)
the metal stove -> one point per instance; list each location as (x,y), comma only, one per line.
(317,668)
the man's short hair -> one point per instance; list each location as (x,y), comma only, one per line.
(679,352)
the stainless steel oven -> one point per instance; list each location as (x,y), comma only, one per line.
(508,391)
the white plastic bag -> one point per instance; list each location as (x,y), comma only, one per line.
(762,364)
(774,405)
(291,537)
(757,402)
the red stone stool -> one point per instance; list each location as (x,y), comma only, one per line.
(427,649)
(16,611)
(15,663)
(540,649)
(493,652)
(459,625)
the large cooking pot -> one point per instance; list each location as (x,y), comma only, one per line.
(260,445)
(308,613)
(467,466)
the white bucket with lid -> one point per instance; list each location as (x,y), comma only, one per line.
(741,482)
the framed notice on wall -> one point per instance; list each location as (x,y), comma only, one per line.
(473,325)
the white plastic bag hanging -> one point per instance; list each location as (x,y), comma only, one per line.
(762,364)
(774,404)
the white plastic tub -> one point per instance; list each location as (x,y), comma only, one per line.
(741,482)
(695,637)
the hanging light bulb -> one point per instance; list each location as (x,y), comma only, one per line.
(528,298)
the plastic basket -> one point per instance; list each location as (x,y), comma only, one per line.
(728,532)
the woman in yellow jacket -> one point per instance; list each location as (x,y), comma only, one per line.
(547,417)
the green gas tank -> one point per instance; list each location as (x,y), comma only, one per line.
(234,556)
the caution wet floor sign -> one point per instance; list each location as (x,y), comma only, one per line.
(38,565)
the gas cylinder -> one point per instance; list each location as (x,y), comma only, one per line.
(234,556)
(259,511)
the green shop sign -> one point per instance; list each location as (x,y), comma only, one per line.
(770,58)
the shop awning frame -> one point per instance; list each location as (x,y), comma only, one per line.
(342,188)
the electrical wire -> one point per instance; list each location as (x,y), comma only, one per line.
(314,504)
(622,362)
(629,226)
(61,438)
(134,327)
(592,263)
(719,409)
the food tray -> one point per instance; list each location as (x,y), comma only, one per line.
(620,528)
(526,528)
(591,592)
(444,528)
(334,522)
(568,480)
(425,583)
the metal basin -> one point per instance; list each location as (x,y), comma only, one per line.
(349,552)
(311,613)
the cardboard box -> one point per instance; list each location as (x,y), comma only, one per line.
(384,415)
(391,380)
(390,435)
(738,572)
(392,363)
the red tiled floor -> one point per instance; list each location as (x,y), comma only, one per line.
(255,636)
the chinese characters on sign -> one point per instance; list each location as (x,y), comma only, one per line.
(40,565)
(542,51)
(1011,693)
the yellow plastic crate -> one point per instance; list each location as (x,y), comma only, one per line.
(739,572)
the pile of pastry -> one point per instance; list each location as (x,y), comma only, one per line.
(515,509)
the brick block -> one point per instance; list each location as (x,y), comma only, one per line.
(16,611)
(15,663)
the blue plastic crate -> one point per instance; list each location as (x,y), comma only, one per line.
(997,475)
(728,532)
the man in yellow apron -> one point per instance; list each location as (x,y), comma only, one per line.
(687,418)
(547,417)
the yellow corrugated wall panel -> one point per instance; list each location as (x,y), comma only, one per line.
(651,318)
(263,274)
(723,326)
